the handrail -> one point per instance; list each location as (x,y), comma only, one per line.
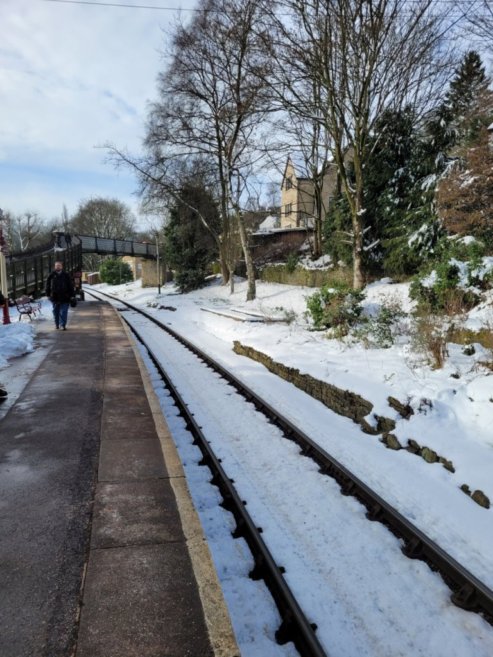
(27,271)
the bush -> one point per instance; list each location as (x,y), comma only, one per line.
(114,271)
(188,280)
(292,262)
(338,308)
(443,289)
(429,338)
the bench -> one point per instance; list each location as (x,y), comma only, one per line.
(27,306)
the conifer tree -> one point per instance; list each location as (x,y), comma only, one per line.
(190,248)
(464,97)
(411,227)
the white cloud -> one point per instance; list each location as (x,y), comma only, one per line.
(72,77)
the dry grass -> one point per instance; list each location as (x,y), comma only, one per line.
(429,338)
(461,335)
(484,337)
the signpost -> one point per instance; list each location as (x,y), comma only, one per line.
(3,270)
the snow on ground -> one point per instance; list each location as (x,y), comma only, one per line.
(453,408)
(460,392)
(453,405)
(15,340)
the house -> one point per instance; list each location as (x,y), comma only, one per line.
(298,202)
(293,232)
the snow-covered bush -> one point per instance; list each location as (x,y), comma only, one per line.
(337,308)
(453,285)
(380,330)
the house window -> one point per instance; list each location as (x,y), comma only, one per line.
(289,183)
(288,209)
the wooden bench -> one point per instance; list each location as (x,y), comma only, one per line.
(27,306)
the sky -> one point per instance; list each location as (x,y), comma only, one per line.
(72,78)
(348,574)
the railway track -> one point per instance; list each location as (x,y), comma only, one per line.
(467,591)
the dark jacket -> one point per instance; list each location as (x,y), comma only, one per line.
(59,287)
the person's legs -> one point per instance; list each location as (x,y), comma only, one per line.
(63,314)
(56,314)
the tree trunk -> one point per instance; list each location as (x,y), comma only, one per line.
(358,278)
(317,228)
(251,289)
(358,228)
(223,263)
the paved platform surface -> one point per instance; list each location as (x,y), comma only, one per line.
(101,551)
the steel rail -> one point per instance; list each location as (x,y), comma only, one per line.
(294,626)
(468,592)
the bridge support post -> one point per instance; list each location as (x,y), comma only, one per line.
(151,276)
(4,293)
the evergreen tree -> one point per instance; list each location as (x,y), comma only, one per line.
(467,85)
(337,231)
(190,247)
(455,121)
(465,192)
(411,231)
(388,180)
(411,227)
(114,271)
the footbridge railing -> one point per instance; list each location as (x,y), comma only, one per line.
(27,272)
(110,246)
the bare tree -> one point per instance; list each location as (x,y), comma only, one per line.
(65,218)
(103,217)
(272,196)
(25,228)
(309,146)
(298,130)
(212,101)
(477,18)
(361,57)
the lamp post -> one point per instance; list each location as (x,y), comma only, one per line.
(158,264)
(3,270)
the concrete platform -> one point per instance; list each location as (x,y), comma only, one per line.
(101,550)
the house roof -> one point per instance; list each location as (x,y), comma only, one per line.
(268,223)
(298,164)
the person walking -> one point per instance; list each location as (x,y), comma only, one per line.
(60,289)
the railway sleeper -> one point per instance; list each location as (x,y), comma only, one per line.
(348,487)
(240,530)
(413,549)
(287,630)
(227,502)
(466,597)
(259,570)
(375,512)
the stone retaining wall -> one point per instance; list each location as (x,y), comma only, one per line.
(355,407)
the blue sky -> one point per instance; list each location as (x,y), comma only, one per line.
(73,77)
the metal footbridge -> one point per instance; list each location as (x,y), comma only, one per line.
(27,271)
